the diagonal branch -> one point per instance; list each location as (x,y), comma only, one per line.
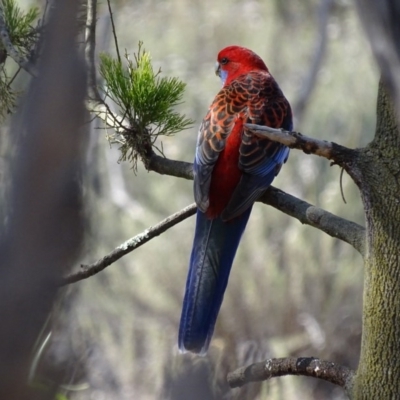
(130,245)
(303,366)
(341,155)
(306,213)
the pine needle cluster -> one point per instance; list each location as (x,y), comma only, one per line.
(23,36)
(19,25)
(145,100)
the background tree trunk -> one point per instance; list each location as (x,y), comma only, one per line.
(44,230)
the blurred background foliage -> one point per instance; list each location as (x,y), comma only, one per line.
(293,291)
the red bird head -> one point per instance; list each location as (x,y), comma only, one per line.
(233,61)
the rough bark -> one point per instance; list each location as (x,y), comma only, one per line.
(377,174)
(376,171)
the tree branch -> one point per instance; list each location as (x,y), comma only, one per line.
(130,245)
(165,166)
(306,213)
(303,366)
(341,155)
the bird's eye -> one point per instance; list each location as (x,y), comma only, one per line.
(224,61)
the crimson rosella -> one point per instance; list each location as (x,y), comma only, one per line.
(232,168)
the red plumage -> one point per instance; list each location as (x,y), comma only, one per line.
(225,150)
(226,174)
(239,61)
(232,168)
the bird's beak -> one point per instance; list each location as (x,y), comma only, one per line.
(217,69)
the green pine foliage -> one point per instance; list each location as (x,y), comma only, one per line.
(19,25)
(23,36)
(145,99)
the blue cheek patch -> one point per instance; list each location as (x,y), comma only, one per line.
(223,75)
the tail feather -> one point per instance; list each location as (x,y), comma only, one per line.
(214,248)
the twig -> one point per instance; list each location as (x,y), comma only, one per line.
(13,78)
(130,245)
(102,110)
(303,366)
(113,29)
(332,151)
(11,50)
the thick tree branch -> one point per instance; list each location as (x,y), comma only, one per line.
(130,245)
(165,166)
(303,366)
(341,155)
(306,213)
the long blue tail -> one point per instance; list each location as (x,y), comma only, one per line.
(214,248)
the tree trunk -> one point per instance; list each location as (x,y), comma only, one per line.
(377,171)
